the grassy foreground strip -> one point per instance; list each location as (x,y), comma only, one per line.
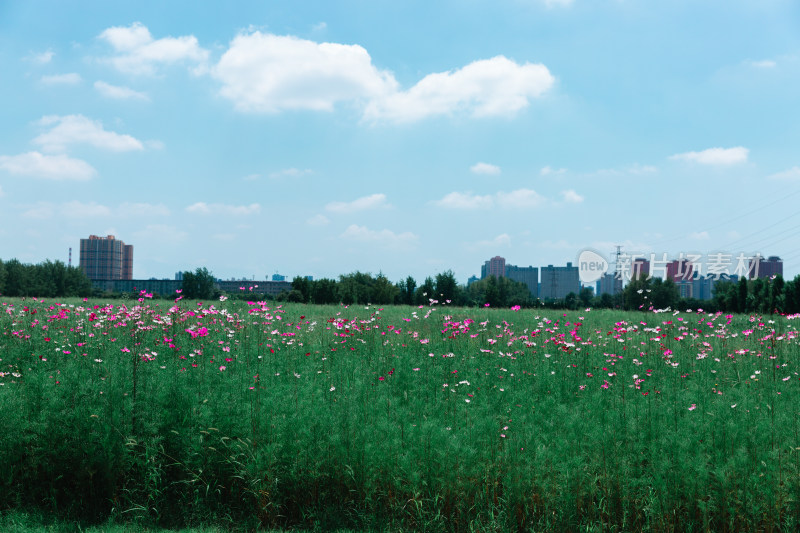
(249,415)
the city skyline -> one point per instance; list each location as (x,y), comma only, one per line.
(322,138)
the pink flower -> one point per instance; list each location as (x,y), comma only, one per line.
(223,367)
(693,407)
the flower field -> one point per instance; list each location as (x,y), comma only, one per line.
(255,415)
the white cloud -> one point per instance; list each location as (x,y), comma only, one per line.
(793,174)
(715,156)
(384,237)
(699,236)
(266,73)
(501,241)
(119,93)
(129,209)
(161,234)
(458,200)
(54,167)
(202,208)
(638,169)
(485,168)
(154,144)
(77,209)
(319,26)
(71,78)
(373,201)
(290,173)
(571,197)
(270,73)
(76,129)
(41,58)
(521,198)
(41,211)
(561,244)
(764,63)
(139,53)
(318,220)
(547,171)
(484,88)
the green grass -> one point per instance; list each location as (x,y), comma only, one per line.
(240,417)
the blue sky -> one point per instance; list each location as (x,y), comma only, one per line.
(322,137)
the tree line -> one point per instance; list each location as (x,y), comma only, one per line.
(48,279)
(762,295)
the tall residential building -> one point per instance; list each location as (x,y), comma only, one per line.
(496,266)
(106,258)
(765,268)
(703,286)
(528,275)
(558,282)
(640,268)
(607,284)
(679,270)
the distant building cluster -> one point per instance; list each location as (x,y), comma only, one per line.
(556,282)
(687,276)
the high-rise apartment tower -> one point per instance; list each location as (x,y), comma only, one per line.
(106,258)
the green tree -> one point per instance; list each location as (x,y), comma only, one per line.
(384,291)
(324,291)
(606,301)
(294,296)
(760,295)
(446,287)
(636,294)
(571,301)
(725,296)
(664,294)
(17,275)
(302,285)
(411,287)
(741,297)
(791,296)
(199,285)
(76,283)
(425,292)
(776,296)
(585,296)
(2,277)
(356,287)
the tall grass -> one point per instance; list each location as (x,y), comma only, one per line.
(247,415)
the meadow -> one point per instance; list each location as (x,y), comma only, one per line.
(255,415)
